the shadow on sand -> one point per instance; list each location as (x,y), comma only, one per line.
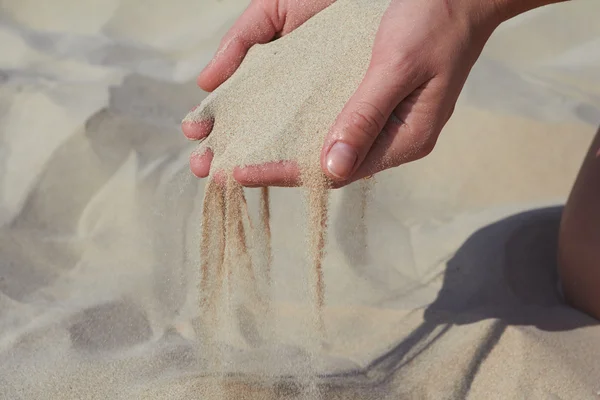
(504,272)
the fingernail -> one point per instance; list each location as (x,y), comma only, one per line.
(341,159)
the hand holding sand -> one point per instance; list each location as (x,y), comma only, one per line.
(421,56)
(275,101)
(288,112)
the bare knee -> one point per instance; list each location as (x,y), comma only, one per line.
(579,241)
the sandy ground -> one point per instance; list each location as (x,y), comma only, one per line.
(99,222)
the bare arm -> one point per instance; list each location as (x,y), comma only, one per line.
(511,8)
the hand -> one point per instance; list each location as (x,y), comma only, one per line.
(421,58)
(262,22)
(422,55)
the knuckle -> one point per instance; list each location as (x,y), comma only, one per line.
(367,120)
(271,10)
(402,62)
(426,146)
(400,70)
(422,141)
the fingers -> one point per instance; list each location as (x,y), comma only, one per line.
(200,163)
(412,131)
(255,26)
(196,130)
(284,173)
(398,144)
(364,116)
(409,134)
(262,22)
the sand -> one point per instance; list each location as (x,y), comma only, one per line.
(285,120)
(99,241)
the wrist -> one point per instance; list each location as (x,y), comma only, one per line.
(484,16)
(479,17)
(507,9)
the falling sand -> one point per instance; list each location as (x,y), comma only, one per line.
(99,239)
(276,108)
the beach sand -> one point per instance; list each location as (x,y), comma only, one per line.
(454,297)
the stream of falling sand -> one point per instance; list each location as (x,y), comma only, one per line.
(236,268)
(225,247)
(231,273)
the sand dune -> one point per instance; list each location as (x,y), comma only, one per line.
(99,223)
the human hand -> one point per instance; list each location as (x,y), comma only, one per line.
(262,22)
(422,55)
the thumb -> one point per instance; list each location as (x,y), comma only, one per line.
(255,26)
(363,118)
